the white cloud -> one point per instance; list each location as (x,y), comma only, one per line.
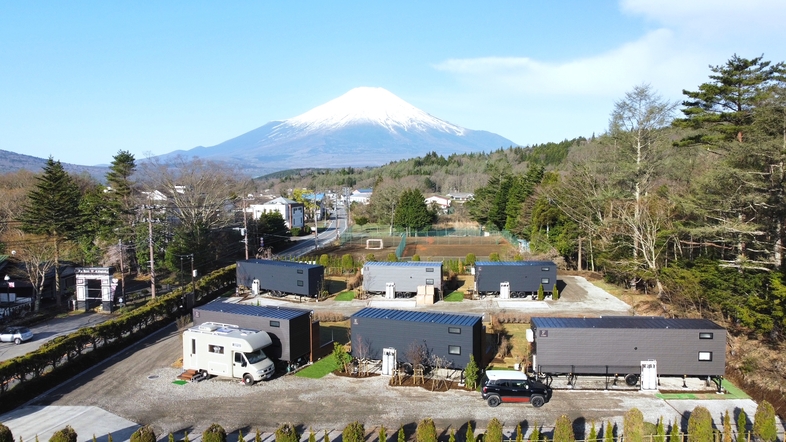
(651,59)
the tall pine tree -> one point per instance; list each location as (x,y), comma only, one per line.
(52,210)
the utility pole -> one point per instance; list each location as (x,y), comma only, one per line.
(193,275)
(245,231)
(122,271)
(316,226)
(150,241)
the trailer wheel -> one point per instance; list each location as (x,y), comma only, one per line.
(493,400)
(248,380)
(537,401)
(632,379)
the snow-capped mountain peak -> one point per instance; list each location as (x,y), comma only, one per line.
(364,105)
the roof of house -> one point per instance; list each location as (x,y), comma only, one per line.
(280,200)
(514,263)
(267,311)
(403,264)
(618,322)
(275,262)
(412,316)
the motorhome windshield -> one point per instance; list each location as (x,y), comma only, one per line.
(255,356)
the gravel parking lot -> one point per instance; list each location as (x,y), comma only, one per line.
(137,385)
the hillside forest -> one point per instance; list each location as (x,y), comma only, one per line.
(682,201)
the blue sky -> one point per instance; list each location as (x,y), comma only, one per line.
(82,80)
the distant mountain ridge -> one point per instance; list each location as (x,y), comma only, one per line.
(13,162)
(364,127)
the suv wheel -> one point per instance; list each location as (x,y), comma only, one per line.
(493,400)
(537,401)
(17,341)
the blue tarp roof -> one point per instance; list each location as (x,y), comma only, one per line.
(268,311)
(617,322)
(406,315)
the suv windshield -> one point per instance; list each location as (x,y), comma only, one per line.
(255,356)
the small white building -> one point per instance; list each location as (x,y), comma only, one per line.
(440,202)
(460,196)
(290,210)
(360,196)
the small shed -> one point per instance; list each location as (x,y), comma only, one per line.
(522,277)
(401,278)
(280,277)
(618,344)
(289,328)
(451,336)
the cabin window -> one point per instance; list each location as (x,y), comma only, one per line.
(705,335)
(545,269)
(429,281)
(454,349)
(218,349)
(300,283)
(300,271)
(705,355)
(275,324)
(454,330)
(544,280)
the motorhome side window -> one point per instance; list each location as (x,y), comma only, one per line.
(705,335)
(429,281)
(275,324)
(215,349)
(300,283)
(454,330)
(545,269)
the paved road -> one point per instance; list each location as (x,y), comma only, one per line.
(336,225)
(48,330)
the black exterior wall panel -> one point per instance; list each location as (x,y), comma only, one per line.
(283,276)
(618,345)
(406,275)
(291,338)
(523,276)
(373,329)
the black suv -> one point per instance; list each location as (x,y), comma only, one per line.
(499,386)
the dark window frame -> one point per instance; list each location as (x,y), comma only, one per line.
(454,349)
(454,330)
(706,335)
(275,323)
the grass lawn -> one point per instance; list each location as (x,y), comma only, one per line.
(455,296)
(319,369)
(345,296)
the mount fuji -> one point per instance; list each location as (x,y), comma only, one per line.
(364,127)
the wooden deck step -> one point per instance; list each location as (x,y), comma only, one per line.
(187,375)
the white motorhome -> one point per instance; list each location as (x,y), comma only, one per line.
(227,350)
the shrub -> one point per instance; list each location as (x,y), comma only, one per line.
(327,437)
(471,373)
(554,292)
(416,257)
(66,434)
(306,230)
(392,257)
(361,220)
(633,426)
(727,434)
(470,259)
(312,437)
(342,357)
(287,433)
(593,434)
(383,435)
(541,294)
(494,431)
(240,437)
(347,262)
(494,257)
(700,425)
(660,432)
(370,257)
(608,433)
(452,436)
(324,260)
(354,432)
(742,426)
(520,435)
(563,430)
(295,231)
(144,434)
(764,422)
(401,437)
(5,434)
(674,434)
(535,435)
(426,431)
(214,433)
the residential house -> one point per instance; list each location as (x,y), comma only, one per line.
(441,203)
(460,196)
(360,196)
(290,210)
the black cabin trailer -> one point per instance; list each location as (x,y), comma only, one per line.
(617,346)
(523,277)
(280,277)
(401,278)
(289,328)
(453,337)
